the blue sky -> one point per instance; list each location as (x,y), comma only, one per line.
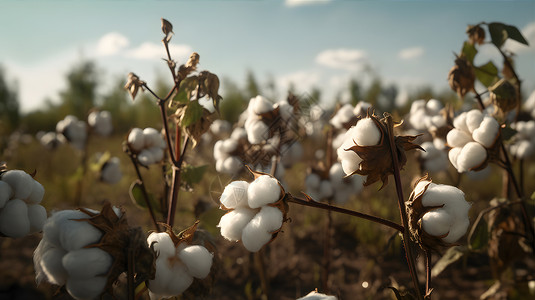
(322,43)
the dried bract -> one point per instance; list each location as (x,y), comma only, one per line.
(462,77)
(476,34)
(503,95)
(133,84)
(167,29)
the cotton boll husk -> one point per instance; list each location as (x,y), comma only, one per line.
(5,193)
(235,194)
(14,219)
(233,222)
(366,133)
(457,230)
(437,222)
(257,132)
(87,263)
(460,122)
(78,234)
(21,183)
(269,218)
(145,157)
(349,159)
(263,190)
(53,267)
(471,156)
(487,132)
(453,155)
(162,243)
(58,220)
(136,139)
(326,189)
(197,259)
(457,138)
(37,217)
(86,288)
(254,236)
(261,105)
(473,119)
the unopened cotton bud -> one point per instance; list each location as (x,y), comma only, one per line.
(233,222)
(51,263)
(136,139)
(14,219)
(37,217)
(86,288)
(235,194)
(20,182)
(263,190)
(87,263)
(162,243)
(197,259)
(5,193)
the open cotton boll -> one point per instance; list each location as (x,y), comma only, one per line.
(158,287)
(220,127)
(437,222)
(257,132)
(86,288)
(261,105)
(52,266)
(152,137)
(111,171)
(87,263)
(219,152)
(145,157)
(457,138)
(487,132)
(416,120)
(233,222)
(197,259)
(229,145)
(162,243)
(472,155)
(5,193)
(434,106)
(349,159)
(336,175)
(366,133)
(440,194)
(285,110)
(460,122)
(14,219)
(254,236)
(136,139)
(263,190)
(180,280)
(453,155)
(38,191)
(239,133)
(20,182)
(235,194)
(473,119)
(76,234)
(37,217)
(417,105)
(457,230)
(157,154)
(269,218)
(56,222)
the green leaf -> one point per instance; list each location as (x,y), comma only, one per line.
(136,195)
(469,52)
(210,219)
(97,165)
(498,33)
(187,86)
(191,174)
(515,34)
(507,133)
(479,236)
(192,114)
(452,255)
(487,74)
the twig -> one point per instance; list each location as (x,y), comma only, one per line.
(428,256)
(176,185)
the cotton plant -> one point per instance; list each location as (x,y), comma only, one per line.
(434,159)
(227,153)
(473,136)
(255,214)
(425,116)
(523,142)
(21,212)
(335,185)
(100,122)
(74,130)
(148,144)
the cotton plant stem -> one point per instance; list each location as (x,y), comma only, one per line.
(401,203)
(428,257)
(262,272)
(327,253)
(175,186)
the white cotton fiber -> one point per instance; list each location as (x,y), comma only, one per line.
(37,217)
(157,154)
(453,155)
(136,139)
(87,288)
(254,237)
(460,122)
(159,285)
(285,109)
(5,193)
(457,138)
(326,189)
(261,105)
(54,224)
(87,263)
(349,159)
(162,243)
(472,155)
(180,280)
(232,164)
(76,234)
(229,145)
(487,132)
(219,153)
(14,219)
(239,133)
(457,230)
(263,190)
(152,137)
(269,218)
(20,182)
(197,259)
(38,191)
(145,157)
(257,132)
(434,106)
(336,174)
(233,222)
(366,133)
(235,194)
(52,266)
(317,296)
(473,119)
(437,222)
(312,181)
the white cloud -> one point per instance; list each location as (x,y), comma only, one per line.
(294,3)
(529,34)
(303,81)
(411,53)
(149,50)
(111,43)
(345,59)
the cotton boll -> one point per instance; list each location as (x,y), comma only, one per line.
(269,218)
(197,259)
(157,154)
(524,149)
(37,217)
(254,236)
(229,145)
(317,296)
(233,222)
(136,139)
(338,140)
(87,263)
(239,133)
(38,191)
(437,222)
(77,234)
(219,167)
(180,280)
(349,159)
(58,220)
(261,105)
(285,110)
(111,171)
(336,174)
(473,119)
(457,230)
(366,133)
(20,182)
(487,132)
(5,193)
(472,155)
(257,132)
(158,287)
(220,127)
(417,105)
(145,157)
(263,190)
(457,138)
(235,194)
(52,266)
(87,288)
(14,219)
(219,153)
(152,137)
(162,243)
(438,121)
(439,194)
(434,106)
